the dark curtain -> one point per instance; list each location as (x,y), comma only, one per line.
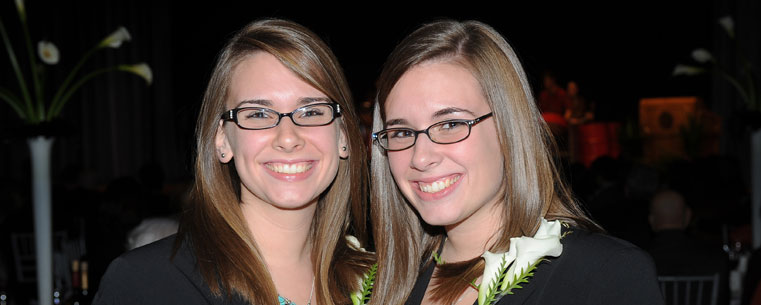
(115,123)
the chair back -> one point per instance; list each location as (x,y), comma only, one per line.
(25,257)
(690,290)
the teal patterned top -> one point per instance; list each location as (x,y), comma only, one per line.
(284,301)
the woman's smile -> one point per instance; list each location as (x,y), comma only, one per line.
(290,171)
(436,188)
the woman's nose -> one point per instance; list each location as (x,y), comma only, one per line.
(425,154)
(287,136)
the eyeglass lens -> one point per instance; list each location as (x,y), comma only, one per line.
(312,115)
(442,133)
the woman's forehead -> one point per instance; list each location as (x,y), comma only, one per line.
(433,89)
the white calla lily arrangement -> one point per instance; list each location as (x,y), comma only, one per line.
(362,296)
(745,81)
(504,272)
(32,105)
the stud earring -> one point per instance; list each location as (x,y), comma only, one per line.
(343,148)
(223,155)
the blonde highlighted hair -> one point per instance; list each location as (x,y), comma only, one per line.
(227,254)
(532,186)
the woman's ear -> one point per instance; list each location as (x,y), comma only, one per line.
(343,144)
(224,152)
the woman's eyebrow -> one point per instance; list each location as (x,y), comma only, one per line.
(450,110)
(260,102)
(396,122)
(436,115)
(267,103)
(309,100)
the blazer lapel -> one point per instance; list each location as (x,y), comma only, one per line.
(535,284)
(418,291)
(185,262)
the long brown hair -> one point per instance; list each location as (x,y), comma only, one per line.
(227,254)
(532,186)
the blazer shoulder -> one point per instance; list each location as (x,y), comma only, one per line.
(156,253)
(146,275)
(615,270)
(591,242)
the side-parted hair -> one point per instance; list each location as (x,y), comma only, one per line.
(227,254)
(532,185)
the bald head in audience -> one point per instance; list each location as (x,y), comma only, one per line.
(668,211)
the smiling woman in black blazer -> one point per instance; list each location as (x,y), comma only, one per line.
(279,181)
(462,167)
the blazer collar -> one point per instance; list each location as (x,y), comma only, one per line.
(185,261)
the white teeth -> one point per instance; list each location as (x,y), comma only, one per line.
(437,186)
(289,168)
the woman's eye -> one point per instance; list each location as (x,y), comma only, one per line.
(450,126)
(257,114)
(397,134)
(312,112)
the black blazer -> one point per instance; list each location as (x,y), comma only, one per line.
(148,275)
(593,269)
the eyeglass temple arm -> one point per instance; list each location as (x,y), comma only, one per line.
(228,115)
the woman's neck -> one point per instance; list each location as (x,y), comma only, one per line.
(282,236)
(469,238)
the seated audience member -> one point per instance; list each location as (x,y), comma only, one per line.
(150,230)
(675,252)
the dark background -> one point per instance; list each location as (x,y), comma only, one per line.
(115,124)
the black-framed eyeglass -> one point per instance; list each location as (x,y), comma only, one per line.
(445,132)
(255,118)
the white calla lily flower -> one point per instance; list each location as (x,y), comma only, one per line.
(728,24)
(687,70)
(701,55)
(116,38)
(549,229)
(524,252)
(141,69)
(20,8)
(354,243)
(529,251)
(546,242)
(48,52)
(493,262)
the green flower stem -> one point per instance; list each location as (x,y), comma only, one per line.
(750,96)
(750,76)
(54,111)
(366,287)
(35,77)
(737,86)
(19,76)
(57,97)
(13,101)
(437,258)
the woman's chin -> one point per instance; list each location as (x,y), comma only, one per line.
(440,220)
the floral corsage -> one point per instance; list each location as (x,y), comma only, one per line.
(506,271)
(362,296)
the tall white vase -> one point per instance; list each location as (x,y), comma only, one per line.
(40,147)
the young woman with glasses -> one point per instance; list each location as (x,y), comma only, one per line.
(279,181)
(463,164)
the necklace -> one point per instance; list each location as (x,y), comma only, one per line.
(285,301)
